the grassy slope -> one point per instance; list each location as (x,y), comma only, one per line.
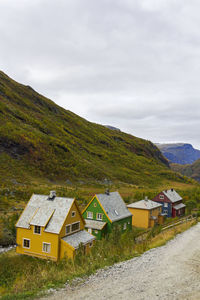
(39,139)
(192,170)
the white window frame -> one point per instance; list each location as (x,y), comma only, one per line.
(165,205)
(73,213)
(45,243)
(90,230)
(37,227)
(97,216)
(124,226)
(89,217)
(161,197)
(96,232)
(76,229)
(69,226)
(29,243)
(165,211)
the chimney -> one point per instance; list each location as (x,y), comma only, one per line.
(107,192)
(172,190)
(52,195)
(146,198)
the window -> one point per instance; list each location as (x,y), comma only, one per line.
(165,211)
(95,205)
(90,244)
(37,229)
(26,243)
(99,217)
(46,247)
(68,229)
(96,232)
(90,230)
(124,227)
(73,213)
(161,197)
(90,215)
(75,226)
(165,204)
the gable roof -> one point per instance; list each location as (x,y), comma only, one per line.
(145,204)
(114,206)
(172,195)
(41,211)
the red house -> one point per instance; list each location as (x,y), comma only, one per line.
(172,203)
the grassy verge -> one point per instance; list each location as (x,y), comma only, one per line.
(22,277)
(165,236)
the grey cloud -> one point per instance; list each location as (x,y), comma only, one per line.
(133,64)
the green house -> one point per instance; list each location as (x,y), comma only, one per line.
(104,212)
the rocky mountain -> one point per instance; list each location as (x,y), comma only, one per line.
(41,141)
(179,153)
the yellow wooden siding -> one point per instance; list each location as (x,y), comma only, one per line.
(160,220)
(156,211)
(140,217)
(66,250)
(36,243)
(70,220)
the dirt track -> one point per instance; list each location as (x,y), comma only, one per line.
(168,272)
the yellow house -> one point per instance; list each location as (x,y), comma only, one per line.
(146,213)
(51,227)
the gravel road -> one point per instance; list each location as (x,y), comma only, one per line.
(168,272)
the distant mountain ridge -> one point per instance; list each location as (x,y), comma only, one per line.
(179,153)
(41,141)
(192,170)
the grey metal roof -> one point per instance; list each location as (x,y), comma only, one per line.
(26,216)
(42,216)
(178,206)
(145,204)
(39,209)
(94,224)
(114,206)
(172,195)
(81,237)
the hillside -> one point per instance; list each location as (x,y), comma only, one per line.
(40,140)
(192,170)
(179,153)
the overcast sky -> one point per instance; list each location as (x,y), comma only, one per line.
(133,64)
